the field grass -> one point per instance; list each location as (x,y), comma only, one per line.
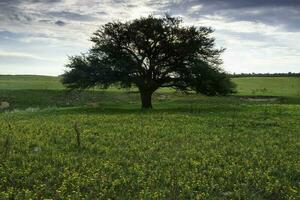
(100,145)
(28,82)
(269,86)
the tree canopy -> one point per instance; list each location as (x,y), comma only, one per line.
(150,53)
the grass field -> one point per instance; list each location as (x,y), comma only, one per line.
(269,86)
(28,82)
(100,145)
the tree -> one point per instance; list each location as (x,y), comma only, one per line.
(150,53)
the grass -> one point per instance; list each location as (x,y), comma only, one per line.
(188,147)
(29,82)
(269,86)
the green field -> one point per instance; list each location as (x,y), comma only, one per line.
(269,86)
(188,147)
(28,82)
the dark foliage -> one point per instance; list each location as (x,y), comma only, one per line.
(150,53)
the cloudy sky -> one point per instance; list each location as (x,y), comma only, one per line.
(36,36)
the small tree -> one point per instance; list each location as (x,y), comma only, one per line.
(150,53)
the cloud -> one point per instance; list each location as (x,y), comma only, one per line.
(259,35)
(71,15)
(60,23)
(195,8)
(283,13)
(22,55)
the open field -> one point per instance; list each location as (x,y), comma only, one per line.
(29,82)
(100,145)
(269,86)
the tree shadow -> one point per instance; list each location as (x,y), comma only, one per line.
(22,99)
(63,102)
(179,109)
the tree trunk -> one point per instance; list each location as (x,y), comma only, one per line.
(146,99)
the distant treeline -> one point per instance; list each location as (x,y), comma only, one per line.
(289,74)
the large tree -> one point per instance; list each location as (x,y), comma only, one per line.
(150,53)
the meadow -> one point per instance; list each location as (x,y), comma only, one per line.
(99,144)
(269,86)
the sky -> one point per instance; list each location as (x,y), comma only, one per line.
(260,36)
